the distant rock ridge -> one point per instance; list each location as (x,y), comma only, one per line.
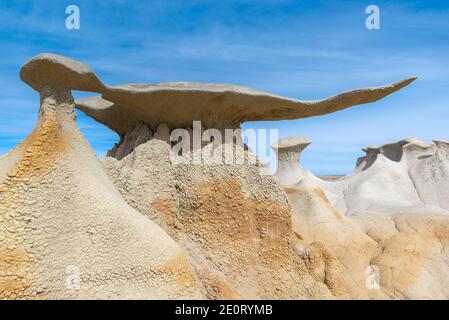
(408,175)
(386,222)
(392,151)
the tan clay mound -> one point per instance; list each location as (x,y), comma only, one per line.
(414,254)
(234,223)
(384,256)
(316,219)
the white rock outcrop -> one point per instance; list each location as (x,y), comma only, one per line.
(289,170)
(405,176)
(386,222)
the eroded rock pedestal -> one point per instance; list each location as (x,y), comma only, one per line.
(225,230)
(65,230)
(288,150)
(233,220)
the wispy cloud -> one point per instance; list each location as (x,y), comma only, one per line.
(302,49)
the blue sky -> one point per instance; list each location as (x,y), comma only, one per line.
(300,49)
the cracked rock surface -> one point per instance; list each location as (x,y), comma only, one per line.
(387,220)
(65,230)
(135,224)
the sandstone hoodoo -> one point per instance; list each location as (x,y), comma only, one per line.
(65,230)
(134,224)
(146,176)
(288,150)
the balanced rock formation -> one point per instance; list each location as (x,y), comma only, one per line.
(60,210)
(65,230)
(232,219)
(288,150)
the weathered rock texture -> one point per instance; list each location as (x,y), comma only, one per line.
(234,223)
(288,150)
(406,176)
(215,105)
(62,221)
(385,222)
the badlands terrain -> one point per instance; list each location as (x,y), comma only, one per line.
(136,225)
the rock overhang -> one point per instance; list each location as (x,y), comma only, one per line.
(217,105)
(291,143)
(59,72)
(178,104)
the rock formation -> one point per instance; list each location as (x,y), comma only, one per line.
(224,230)
(288,150)
(407,176)
(215,105)
(65,230)
(393,217)
(228,218)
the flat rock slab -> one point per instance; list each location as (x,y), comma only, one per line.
(215,105)
(177,104)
